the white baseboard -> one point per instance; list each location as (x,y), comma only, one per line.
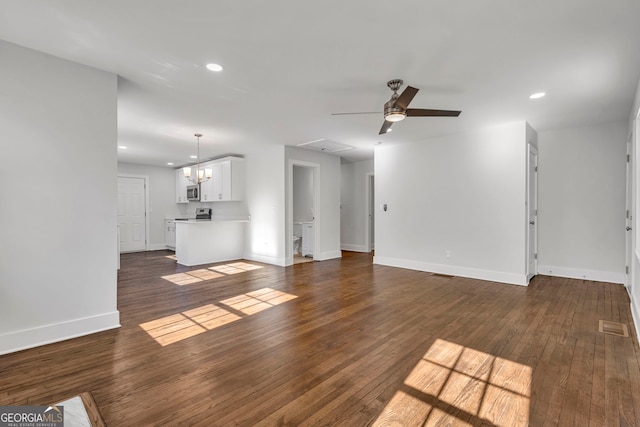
(323,256)
(266,259)
(156,247)
(474,273)
(47,334)
(583,274)
(354,248)
(635,313)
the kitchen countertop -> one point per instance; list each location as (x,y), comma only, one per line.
(240,218)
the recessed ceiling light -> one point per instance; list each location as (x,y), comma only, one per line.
(214,67)
(389,130)
(194,157)
(169,164)
(122,147)
(537,95)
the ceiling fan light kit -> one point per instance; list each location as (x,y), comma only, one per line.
(394,115)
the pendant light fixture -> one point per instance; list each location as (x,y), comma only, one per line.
(202,175)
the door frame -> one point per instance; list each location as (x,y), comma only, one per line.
(629,215)
(316,209)
(632,255)
(532,151)
(369,212)
(146,207)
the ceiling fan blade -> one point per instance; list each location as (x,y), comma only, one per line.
(344,114)
(385,127)
(423,112)
(405,98)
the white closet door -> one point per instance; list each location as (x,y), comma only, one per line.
(132,214)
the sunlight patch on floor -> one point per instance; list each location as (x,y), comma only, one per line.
(176,327)
(181,279)
(245,266)
(256,301)
(195,276)
(453,383)
(205,274)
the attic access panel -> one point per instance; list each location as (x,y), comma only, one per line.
(325,146)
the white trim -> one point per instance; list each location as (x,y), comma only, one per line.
(147,237)
(492,276)
(354,248)
(279,261)
(47,334)
(323,256)
(367,211)
(158,247)
(532,151)
(635,314)
(582,274)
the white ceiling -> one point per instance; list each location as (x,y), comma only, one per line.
(289,64)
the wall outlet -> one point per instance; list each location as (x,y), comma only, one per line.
(447,253)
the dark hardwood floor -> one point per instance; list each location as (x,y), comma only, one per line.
(342,343)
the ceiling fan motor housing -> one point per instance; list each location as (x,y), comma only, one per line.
(393,113)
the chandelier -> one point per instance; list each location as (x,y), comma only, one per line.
(202,175)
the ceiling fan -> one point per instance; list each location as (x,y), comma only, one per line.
(396,109)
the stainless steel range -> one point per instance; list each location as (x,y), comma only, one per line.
(203,214)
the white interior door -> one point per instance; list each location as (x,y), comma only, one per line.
(132,214)
(532,213)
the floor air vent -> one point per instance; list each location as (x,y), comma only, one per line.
(614,328)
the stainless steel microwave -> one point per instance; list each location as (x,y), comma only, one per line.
(193,193)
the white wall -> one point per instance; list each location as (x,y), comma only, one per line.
(581,202)
(265,189)
(354,210)
(461,193)
(58,186)
(328,215)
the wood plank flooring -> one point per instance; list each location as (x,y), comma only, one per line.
(342,343)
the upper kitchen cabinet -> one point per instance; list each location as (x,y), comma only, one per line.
(227,183)
(207,187)
(181,187)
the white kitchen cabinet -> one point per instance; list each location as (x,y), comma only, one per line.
(205,242)
(170,233)
(307,239)
(227,183)
(207,190)
(181,187)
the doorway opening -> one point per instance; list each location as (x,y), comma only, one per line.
(532,212)
(370,203)
(303,227)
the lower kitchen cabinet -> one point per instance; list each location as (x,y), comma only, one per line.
(170,233)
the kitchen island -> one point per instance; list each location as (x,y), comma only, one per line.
(212,240)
